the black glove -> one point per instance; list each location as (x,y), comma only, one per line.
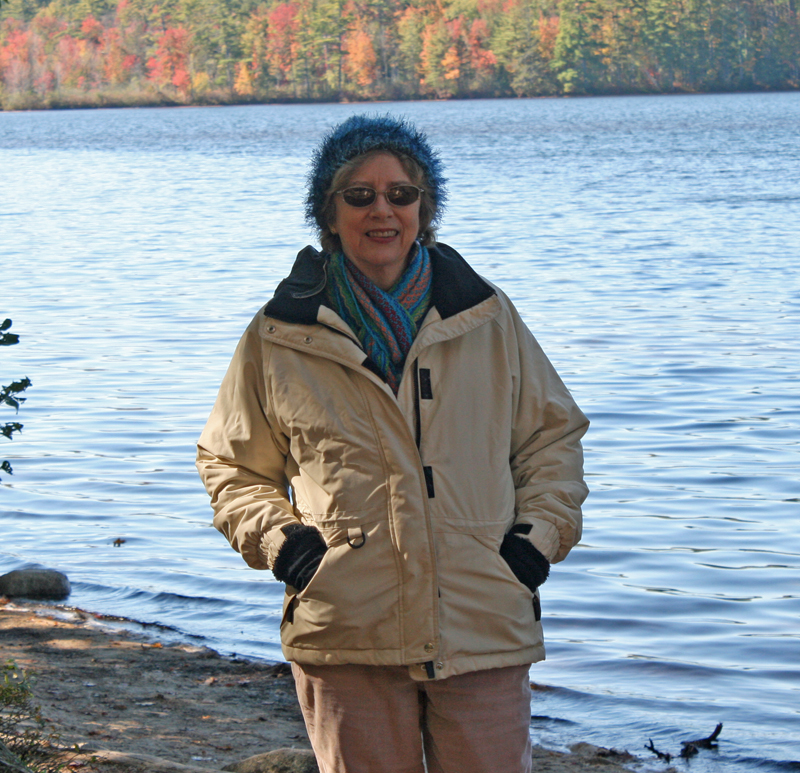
(299,556)
(530,567)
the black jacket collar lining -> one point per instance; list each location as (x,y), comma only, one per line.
(456,286)
(295,299)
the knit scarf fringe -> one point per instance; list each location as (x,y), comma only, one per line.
(385,322)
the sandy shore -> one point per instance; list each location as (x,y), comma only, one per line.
(111,688)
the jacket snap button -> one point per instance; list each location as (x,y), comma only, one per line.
(271,329)
(428,647)
(308,339)
(440,666)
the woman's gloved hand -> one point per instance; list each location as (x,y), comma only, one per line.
(300,555)
(530,567)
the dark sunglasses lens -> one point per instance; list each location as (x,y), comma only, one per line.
(398,196)
(402,195)
(359,197)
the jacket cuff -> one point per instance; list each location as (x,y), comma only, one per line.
(544,536)
(271,542)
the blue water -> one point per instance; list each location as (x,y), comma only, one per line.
(651,243)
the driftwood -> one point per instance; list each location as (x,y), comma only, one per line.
(146,762)
(690,748)
(666,756)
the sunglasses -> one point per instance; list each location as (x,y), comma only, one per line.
(397,195)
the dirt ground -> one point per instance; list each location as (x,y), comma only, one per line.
(109,688)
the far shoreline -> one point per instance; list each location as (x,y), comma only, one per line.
(166,103)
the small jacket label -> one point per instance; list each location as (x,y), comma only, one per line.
(425,390)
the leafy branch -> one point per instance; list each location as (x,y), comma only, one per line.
(11,395)
(25,745)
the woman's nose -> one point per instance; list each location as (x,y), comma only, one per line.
(381,205)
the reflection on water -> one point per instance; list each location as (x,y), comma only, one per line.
(650,244)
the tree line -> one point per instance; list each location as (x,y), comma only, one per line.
(123,52)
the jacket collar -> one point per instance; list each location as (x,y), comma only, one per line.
(456,286)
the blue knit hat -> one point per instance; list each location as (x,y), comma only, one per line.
(361,134)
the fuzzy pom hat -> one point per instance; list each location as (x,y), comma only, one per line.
(361,134)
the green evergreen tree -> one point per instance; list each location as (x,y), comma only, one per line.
(576,57)
(410,27)
(331,23)
(520,49)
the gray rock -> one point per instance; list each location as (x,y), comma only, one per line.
(35,584)
(278,761)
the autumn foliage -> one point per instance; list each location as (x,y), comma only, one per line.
(170,63)
(95,52)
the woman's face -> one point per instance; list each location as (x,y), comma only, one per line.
(379,237)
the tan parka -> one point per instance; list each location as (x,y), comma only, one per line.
(412,494)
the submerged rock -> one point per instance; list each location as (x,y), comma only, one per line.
(278,761)
(35,584)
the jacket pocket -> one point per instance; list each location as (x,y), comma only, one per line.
(353,600)
(493,548)
(490,544)
(477,585)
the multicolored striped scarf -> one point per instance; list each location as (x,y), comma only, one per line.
(385,321)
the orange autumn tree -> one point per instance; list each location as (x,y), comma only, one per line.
(360,59)
(15,56)
(83,56)
(117,62)
(456,57)
(281,41)
(170,65)
(482,59)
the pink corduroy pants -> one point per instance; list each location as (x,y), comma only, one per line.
(377,719)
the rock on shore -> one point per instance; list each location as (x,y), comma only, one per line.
(40,584)
(277,761)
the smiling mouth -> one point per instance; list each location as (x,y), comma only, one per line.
(382,234)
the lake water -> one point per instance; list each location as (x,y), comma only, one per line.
(652,245)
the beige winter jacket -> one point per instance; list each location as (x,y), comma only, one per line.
(412,494)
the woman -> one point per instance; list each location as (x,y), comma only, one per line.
(392,443)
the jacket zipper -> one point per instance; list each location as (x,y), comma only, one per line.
(428,473)
(417,412)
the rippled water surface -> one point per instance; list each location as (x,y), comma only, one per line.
(650,243)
